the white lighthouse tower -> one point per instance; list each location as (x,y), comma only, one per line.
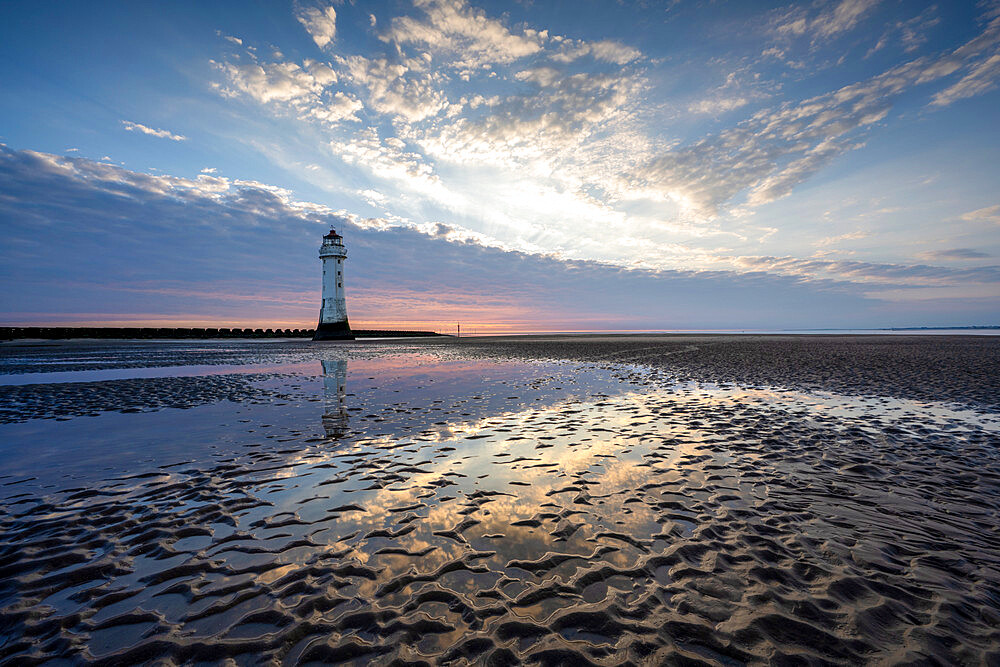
(333,313)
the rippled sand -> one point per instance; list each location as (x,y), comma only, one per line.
(562,515)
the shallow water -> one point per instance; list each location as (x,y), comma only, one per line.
(392,502)
(202,411)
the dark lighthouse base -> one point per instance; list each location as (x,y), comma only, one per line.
(333,331)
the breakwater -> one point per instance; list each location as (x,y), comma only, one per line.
(57,333)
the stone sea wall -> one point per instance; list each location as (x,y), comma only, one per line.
(54,333)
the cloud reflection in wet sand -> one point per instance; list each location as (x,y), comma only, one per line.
(696,523)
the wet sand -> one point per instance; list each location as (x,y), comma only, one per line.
(962,369)
(449,503)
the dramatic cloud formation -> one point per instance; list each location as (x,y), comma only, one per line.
(554,124)
(249,257)
(772,152)
(839,148)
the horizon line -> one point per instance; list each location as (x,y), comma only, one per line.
(474,330)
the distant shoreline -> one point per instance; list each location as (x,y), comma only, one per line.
(902,331)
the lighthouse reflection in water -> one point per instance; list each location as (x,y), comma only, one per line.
(334,387)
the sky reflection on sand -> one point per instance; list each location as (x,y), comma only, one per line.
(464,510)
(388,395)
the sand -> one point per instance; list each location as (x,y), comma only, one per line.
(963,369)
(569,515)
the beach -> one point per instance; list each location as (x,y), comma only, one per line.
(645,499)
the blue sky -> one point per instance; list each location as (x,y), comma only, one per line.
(515,166)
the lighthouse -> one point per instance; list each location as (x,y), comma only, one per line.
(333,313)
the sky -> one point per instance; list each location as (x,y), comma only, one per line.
(513,166)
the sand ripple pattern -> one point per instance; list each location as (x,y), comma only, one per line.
(646,528)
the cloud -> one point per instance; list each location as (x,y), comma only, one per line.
(980,60)
(229,38)
(989,214)
(849,236)
(543,76)
(396,88)
(717,105)
(162,134)
(781,183)
(740,87)
(306,89)
(953,253)
(614,52)
(981,78)
(766,156)
(605,50)
(920,275)
(278,82)
(843,16)
(335,108)
(387,160)
(912,33)
(373,197)
(453,27)
(320,23)
(564,113)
